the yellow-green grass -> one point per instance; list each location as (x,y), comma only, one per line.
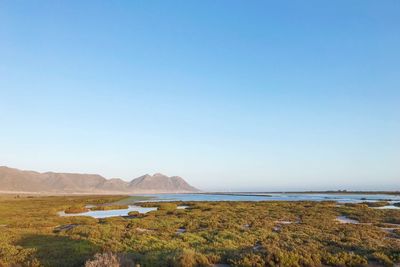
(76,209)
(110,207)
(234,233)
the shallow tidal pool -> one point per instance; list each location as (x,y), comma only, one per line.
(109,213)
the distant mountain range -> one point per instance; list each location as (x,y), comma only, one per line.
(15,180)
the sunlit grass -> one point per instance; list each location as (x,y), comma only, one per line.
(235,233)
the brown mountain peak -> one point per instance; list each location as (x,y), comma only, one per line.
(15,180)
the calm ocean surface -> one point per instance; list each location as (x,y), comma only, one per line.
(342,198)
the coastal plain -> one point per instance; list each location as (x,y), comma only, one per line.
(202,233)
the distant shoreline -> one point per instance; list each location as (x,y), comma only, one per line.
(253,194)
(303,192)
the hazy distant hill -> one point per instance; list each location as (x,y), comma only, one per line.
(160,183)
(14,180)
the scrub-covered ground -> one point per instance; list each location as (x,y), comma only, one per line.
(203,234)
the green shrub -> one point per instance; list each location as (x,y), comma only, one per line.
(376,204)
(109,259)
(110,207)
(167,206)
(189,258)
(382,258)
(76,209)
(134,213)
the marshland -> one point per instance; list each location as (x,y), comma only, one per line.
(203,233)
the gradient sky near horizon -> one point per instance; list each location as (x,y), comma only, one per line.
(230,95)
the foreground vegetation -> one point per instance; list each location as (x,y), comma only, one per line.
(206,233)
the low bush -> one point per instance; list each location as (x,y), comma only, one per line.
(376,204)
(109,259)
(167,206)
(133,213)
(76,209)
(110,207)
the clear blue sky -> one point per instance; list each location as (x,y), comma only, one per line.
(231,95)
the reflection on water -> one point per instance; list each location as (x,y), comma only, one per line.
(344,219)
(110,213)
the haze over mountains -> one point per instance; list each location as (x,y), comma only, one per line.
(15,180)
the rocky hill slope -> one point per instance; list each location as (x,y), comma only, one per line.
(15,180)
